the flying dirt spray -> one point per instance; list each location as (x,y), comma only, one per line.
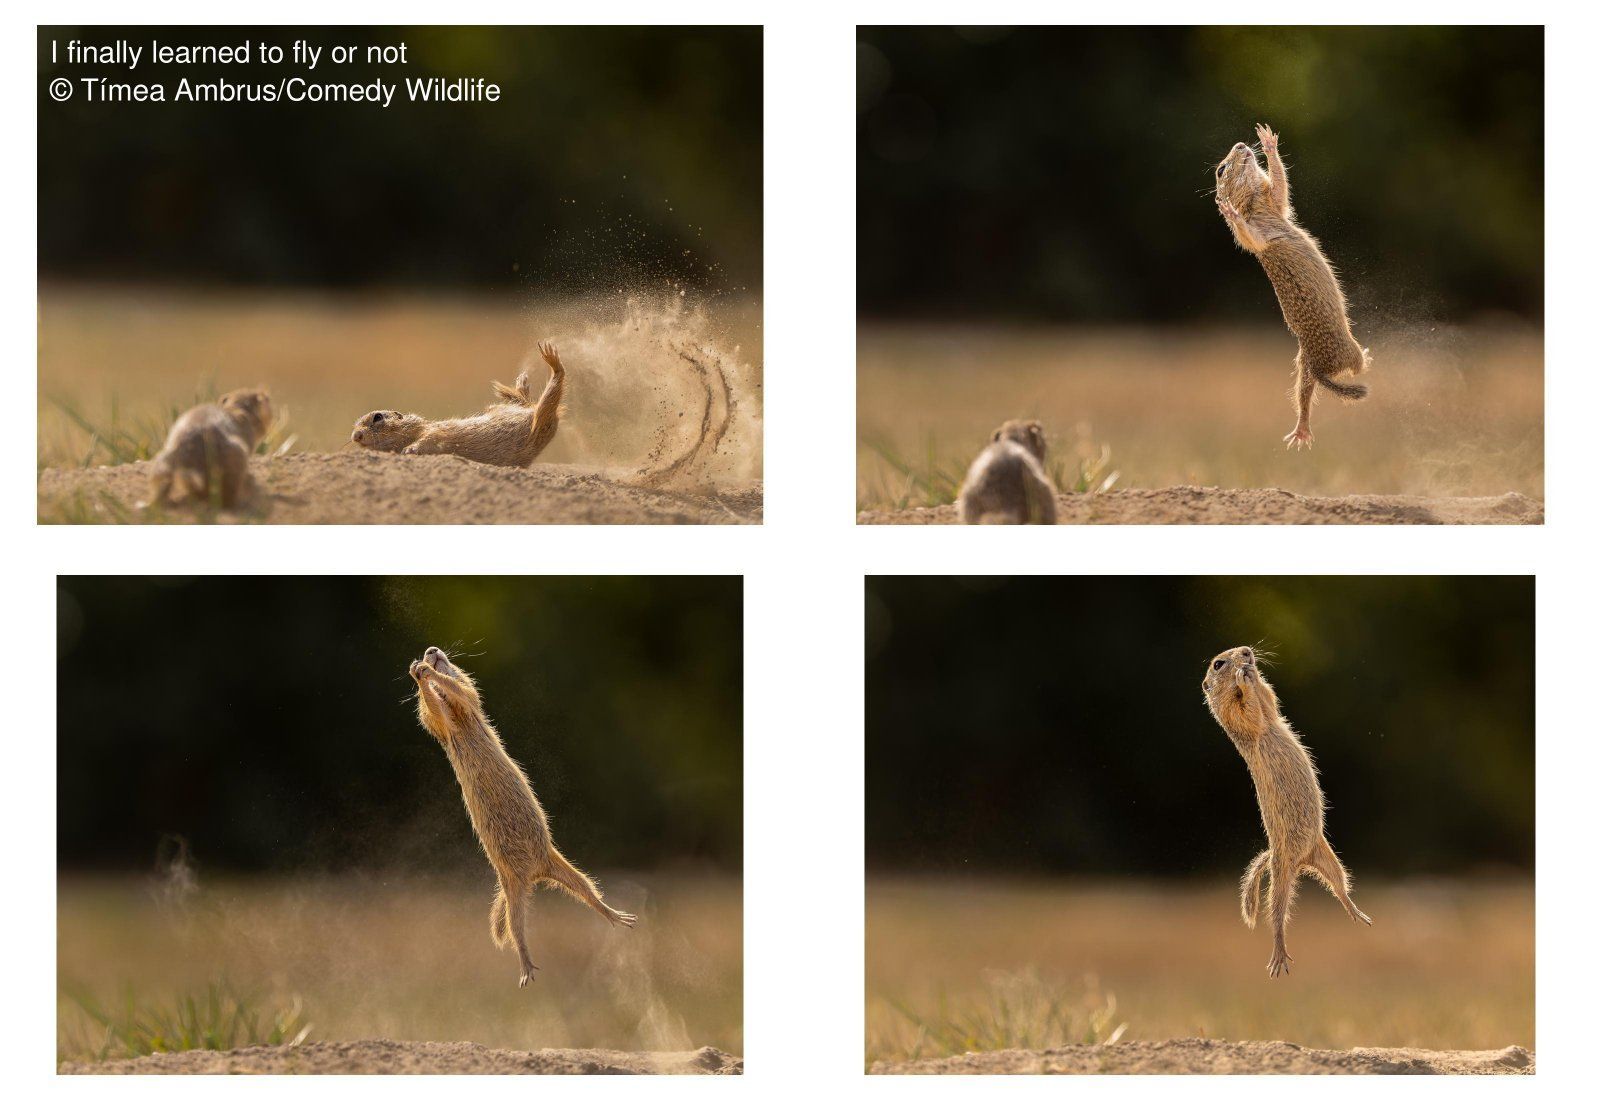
(659,392)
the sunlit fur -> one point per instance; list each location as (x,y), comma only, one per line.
(514,431)
(1255,206)
(1007,482)
(207,453)
(1245,706)
(507,817)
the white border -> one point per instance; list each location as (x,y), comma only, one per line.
(804,817)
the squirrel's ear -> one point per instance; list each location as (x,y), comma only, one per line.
(995,438)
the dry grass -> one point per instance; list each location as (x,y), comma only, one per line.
(1454,412)
(1445,966)
(387,958)
(118,362)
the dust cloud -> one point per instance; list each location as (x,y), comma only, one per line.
(659,392)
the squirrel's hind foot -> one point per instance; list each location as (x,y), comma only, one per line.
(1300,437)
(1279,963)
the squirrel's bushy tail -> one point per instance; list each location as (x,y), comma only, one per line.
(1250,888)
(500,918)
(1350,391)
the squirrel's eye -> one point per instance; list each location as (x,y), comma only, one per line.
(1218,663)
(377,418)
(1222,170)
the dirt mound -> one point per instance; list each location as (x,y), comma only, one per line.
(389,1056)
(1191,504)
(1220,1056)
(364,487)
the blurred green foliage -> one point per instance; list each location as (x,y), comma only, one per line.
(1064,173)
(614,153)
(270,721)
(1056,724)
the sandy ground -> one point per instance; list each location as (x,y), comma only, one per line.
(388,1056)
(1454,411)
(1190,504)
(1220,1056)
(363,487)
(318,950)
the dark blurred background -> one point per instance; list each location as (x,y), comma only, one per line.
(613,153)
(269,721)
(1056,724)
(1064,173)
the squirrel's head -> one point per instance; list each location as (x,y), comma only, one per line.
(1239,176)
(445,693)
(251,408)
(1232,679)
(1028,433)
(384,430)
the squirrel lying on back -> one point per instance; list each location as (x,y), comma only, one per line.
(511,432)
(1255,204)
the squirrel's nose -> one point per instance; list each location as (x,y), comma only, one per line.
(356,435)
(431,651)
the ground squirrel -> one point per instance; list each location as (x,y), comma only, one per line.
(1255,204)
(1245,706)
(207,453)
(511,432)
(1007,483)
(508,819)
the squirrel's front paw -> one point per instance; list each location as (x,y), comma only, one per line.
(1268,139)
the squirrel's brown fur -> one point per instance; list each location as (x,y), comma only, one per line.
(511,432)
(1246,707)
(208,450)
(1007,482)
(510,823)
(1255,205)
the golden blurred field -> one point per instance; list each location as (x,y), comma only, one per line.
(412,960)
(1453,411)
(128,357)
(984,964)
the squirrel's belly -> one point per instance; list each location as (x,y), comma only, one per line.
(509,824)
(503,440)
(499,804)
(1291,802)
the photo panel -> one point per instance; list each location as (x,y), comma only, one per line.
(400,275)
(446,824)
(1093,801)
(1089,261)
